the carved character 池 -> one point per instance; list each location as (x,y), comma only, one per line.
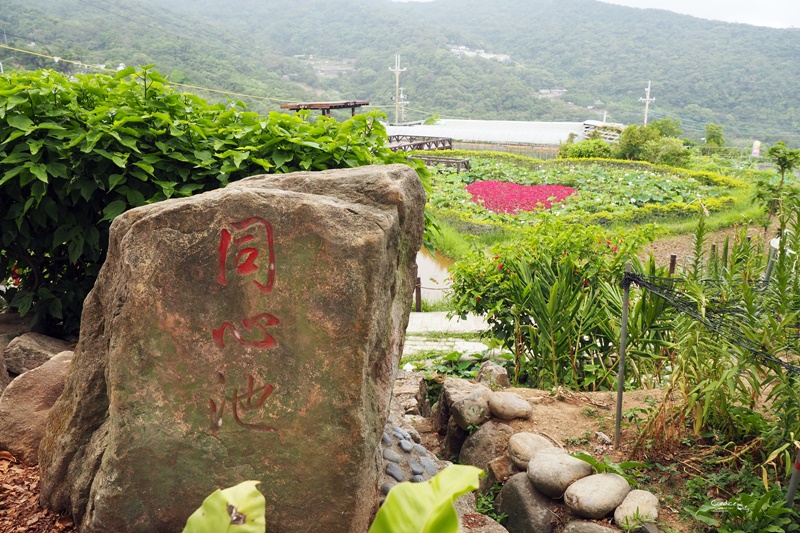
(242,402)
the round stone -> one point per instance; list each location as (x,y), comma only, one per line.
(395,471)
(386,440)
(406,446)
(523,446)
(552,471)
(391,455)
(637,507)
(509,405)
(417,479)
(597,495)
(420,449)
(415,467)
(428,465)
(386,487)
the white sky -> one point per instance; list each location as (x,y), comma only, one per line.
(772,13)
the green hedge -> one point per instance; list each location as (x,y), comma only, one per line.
(75,153)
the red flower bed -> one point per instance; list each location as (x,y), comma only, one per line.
(505,197)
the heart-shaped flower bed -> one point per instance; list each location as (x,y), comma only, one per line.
(506,197)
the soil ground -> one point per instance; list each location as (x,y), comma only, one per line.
(682,246)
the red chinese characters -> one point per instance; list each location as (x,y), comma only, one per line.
(259,323)
(242,402)
(246,249)
(245,238)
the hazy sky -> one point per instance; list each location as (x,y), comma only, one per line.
(773,13)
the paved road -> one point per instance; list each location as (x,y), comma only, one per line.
(421,323)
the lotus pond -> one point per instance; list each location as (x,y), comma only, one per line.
(589,191)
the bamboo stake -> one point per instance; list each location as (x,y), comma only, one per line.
(626,296)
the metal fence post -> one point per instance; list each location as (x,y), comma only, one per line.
(626,295)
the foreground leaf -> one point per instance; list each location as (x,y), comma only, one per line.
(238,509)
(426,507)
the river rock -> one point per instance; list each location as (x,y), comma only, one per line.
(493,375)
(487,443)
(584,526)
(251,332)
(596,496)
(31,350)
(552,471)
(455,390)
(25,404)
(522,446)
(472,411)
(509,405)
(528,510)
(639,506)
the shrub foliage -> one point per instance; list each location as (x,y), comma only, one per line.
(75,153)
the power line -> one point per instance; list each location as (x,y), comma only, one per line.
(98,67)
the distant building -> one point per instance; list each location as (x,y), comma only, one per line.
(552,93)
(463,51)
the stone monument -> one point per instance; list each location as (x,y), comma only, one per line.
(252,332)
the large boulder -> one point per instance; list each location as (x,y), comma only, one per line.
(528,510)
(487,443)
(5,379)
(25,404)
(11,326)
(464,393)
(252,332)
(30,350)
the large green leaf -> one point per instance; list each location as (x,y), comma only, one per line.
(21,122)
(426,507)
(238,509)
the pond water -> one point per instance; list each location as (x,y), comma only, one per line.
(433,274)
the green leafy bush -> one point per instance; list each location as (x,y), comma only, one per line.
(610,467)
(546,298)
(587,148)
(75,153)
(749,513)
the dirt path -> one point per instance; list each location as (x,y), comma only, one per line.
(683,245)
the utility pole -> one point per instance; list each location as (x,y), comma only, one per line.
(397,70)
(647,101)
(403,104)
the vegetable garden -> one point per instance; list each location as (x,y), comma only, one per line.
(548,281)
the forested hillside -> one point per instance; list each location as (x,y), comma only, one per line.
(742,77)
